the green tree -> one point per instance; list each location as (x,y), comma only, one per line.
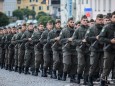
(18,14)
(4,20)
(45,19)
(41,14)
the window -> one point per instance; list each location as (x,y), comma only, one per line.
(30,0)
(33,8)
(82,1)
(109,5)
(95,5)
(98,5)
(18,1)
(36,0)
(43,2)
(8,13)
(40,8)
(47,7)
(59,9)
(86,1)
(104,5)
(18,7)
(27,7)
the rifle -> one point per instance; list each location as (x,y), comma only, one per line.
(83,46)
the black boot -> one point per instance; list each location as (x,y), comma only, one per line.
(64,76)
(36,72)
(44,72)
(9,68)
(6,67)
(78,78)
(2,65)
(54,76)
(60,76)
(103,83)
(85,80)
(90,81)
(72,79)
(16,68)
(19,70)
(26,71)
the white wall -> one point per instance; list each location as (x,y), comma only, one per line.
(98,6)
(9,6)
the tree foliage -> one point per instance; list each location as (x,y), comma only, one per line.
(4,20)
(45,19)
(20,13)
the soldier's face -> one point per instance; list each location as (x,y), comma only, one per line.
(71,23)
(49,26)
(30,27)
(91,23)
(84,21)
(113,18)
(41,27)
(58,25)
(106,21)
(99,20)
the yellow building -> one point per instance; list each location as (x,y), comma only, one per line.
(37,5)
(1,5)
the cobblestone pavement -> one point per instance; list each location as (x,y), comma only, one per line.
(15,79)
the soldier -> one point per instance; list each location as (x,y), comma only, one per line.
(38,47)
(21,48)
(7,43)
(1,35)
(11,50)
(91,22)
(82,50)
(69,51)
(96,48)
(77,24)
(29,49)
(47,52)
(107,36)
(53,39)
(3,48)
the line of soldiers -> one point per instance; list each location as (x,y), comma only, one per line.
(84,50)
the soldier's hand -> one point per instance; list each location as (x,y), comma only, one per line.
(97,37)
(70,39)
(57,38)
(29,39)
(113,41)
(84,40)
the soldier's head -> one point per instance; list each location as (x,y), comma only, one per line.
(106,19)
(84,20)
(40,26)
(13,29)
(70,22)
(91,22)
(113,17)
(58,24)
(30,27)
(9,30)
(24,26)
(49,25)
(99,19)
(77,24)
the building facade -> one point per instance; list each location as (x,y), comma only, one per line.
(9,6)
(1,5)
(54,6)
(93,7)
(37,5)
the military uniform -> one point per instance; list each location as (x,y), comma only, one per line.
(38,49)
(57,53)
(21,52)
(29,51)
(69,53)
(47,52)
(96,48)
(8,53)
(83,53)
(107,33)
